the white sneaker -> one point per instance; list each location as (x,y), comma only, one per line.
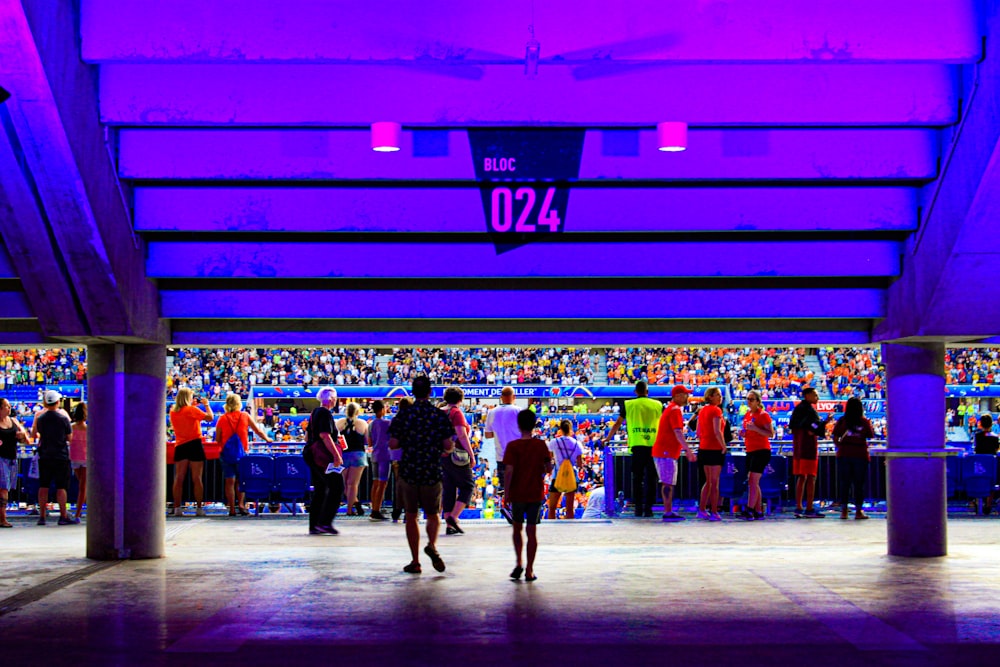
(705,516)
(200,512)
(178,511)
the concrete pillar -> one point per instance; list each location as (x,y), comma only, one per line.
(126,451)
(917,496)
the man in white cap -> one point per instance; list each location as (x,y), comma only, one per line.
(52,429)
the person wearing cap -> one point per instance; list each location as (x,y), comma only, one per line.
(641,416)
(667,448)
(51,428)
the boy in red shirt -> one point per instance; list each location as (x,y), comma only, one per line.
(526,462)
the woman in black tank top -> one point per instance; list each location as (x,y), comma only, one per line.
(10,433)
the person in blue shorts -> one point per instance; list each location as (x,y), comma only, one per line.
(526,461)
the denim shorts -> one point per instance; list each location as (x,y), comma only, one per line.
(229,470)
(355,459)
(8,474)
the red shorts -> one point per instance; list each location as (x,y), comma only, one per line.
(805,467)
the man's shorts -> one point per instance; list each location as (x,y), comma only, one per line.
(805,466)
(416,497)
(667,470)
(757,461)
(355,459)
(711,457)
(381,469)
(53,470)
(529,513)
(191,450)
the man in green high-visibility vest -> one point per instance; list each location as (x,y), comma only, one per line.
(641,416)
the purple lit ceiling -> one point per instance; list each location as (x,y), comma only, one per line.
(837,185)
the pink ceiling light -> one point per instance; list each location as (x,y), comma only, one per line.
(671,136)
(385,136)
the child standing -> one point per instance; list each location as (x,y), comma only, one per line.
(526,462)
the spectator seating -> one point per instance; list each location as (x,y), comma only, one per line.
(256,477)
(774,481)
(291,479)
(733,480)
(979,477)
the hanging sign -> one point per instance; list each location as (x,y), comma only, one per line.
(524,179)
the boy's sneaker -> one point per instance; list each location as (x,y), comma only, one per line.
(714,516)
(758,516)
(799,512)
(41,522)
(746,515)
(327,530)
(704,516)
(377,515)
(68,521)
(672,517)
(812,513)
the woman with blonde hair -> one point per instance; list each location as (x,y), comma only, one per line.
(189,453)
(711,453)
(758,430)
(354,431)
(237,423)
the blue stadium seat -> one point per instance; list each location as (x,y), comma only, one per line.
(774,481)
(953,475)
(291,478)
(256,474)
(733,480)
(979,476)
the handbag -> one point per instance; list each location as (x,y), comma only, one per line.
(460,457)
(317,455)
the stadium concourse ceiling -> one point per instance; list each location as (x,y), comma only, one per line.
(203,173)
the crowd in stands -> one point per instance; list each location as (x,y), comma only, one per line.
(42,366)
(972,365)
(448,365)
(854,371)
(214,372)
(777,373)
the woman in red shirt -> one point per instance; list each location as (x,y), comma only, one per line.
(758,429)
(711,453)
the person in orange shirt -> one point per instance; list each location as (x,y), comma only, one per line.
(758,429)
(711,453)
(667,448)
(189,453)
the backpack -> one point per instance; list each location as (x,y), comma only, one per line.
(232,448)
(565,481)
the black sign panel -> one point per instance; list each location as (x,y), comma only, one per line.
(523,176)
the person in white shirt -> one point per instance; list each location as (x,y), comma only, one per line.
(564,448)
(595,502)
(501,422)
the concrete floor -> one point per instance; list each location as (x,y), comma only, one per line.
(258,591)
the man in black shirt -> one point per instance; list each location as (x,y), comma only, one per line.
(987,443)
(52,428)
(424,433)
(806,428)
